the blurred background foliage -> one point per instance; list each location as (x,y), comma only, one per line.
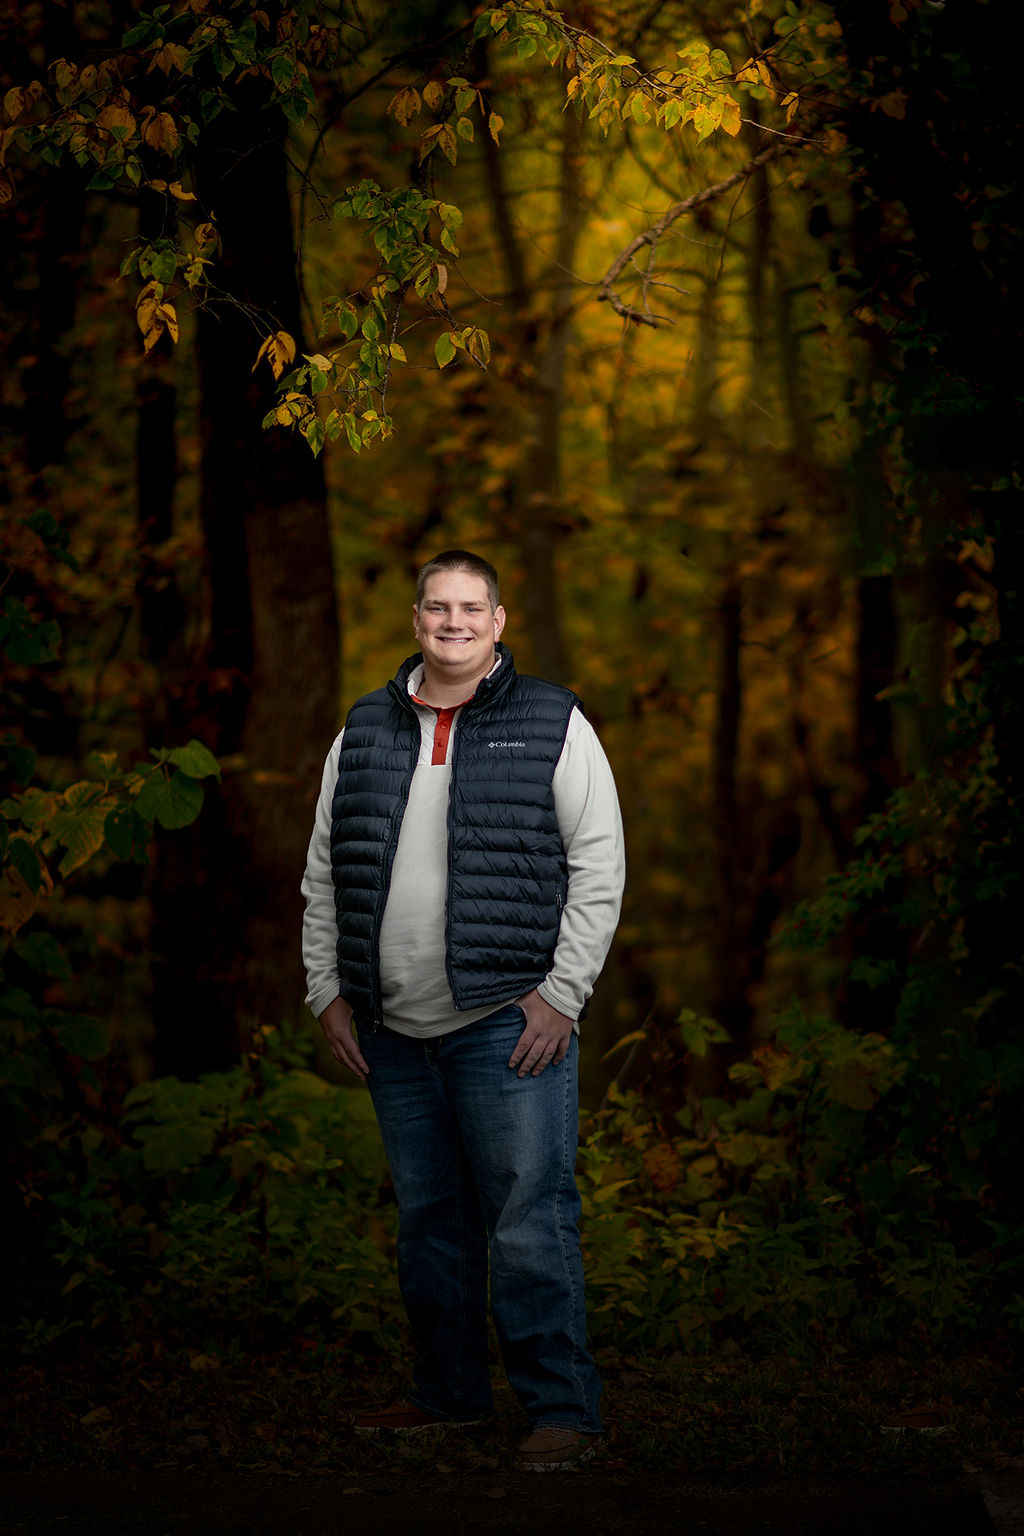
(752,484)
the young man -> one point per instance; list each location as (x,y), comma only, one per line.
(462,887)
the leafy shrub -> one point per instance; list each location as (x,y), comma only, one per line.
(229,1206)
(793,1209)
(258,1200)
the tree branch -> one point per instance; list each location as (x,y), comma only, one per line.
(606,291)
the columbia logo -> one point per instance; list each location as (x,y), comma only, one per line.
(506,743)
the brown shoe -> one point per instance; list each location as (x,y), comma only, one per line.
(556,1450)
(405,1418)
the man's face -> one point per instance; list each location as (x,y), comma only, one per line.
(455,626)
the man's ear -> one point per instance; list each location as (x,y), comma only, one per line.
(499,621)
(415,619)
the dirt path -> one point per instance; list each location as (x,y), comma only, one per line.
(167,1503)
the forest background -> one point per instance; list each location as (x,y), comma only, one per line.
(695,321)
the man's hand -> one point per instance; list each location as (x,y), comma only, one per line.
(336,1021)
(545,1038)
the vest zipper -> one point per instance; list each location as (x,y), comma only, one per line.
(385,885)
(457,738)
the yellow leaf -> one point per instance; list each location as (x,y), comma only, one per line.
(178,191)
(206,234)
(428,140)
(160,132)
(171,56)
(158,186)
(448,142)
(17,902)
(433,94)
(146,306)
(14,102)
(633,1038)
(404,105)
(279,351)
(169,315)
(732,117)
(894,104)
(707,115)
(496,124)
(116,119)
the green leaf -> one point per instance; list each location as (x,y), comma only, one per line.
(23,857)
(101,765)
(348,322)
(699,1034)
(295,108)
(444,349)
(78,825)
(138,33)
(43,954)
(27,642)
(127,834)
(195,760)
(173,802)
(850,1085)
(164,265)
(312,429)
(355,442)
(283,71)
(79,1035)
(169,1148)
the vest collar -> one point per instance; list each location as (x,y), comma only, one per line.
(497,681)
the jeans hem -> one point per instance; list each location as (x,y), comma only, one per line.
(576,1429)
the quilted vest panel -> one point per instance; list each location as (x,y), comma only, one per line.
(506,865)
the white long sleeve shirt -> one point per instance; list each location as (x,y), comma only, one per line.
(416,997)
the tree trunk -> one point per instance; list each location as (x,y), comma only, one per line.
(728,1003)
(543,346)
(229,909)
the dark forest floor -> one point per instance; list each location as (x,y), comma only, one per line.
(289,1414)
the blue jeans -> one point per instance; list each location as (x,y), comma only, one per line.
(483,1165)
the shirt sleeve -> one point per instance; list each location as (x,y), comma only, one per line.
(590,824)
(320,922)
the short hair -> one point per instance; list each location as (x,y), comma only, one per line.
(460,560)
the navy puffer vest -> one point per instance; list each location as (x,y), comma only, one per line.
(506,865)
